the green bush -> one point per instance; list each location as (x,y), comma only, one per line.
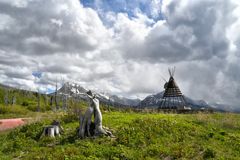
(24,103)
(13,110)
(70,117)
(208,153)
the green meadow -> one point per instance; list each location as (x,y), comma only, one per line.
(137,136)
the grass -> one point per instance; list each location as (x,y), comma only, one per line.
(138,136)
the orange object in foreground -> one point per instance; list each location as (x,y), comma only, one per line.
(10,123)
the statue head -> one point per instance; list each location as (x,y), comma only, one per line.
(56,123)
(90,94)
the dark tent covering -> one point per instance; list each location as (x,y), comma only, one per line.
(172,97)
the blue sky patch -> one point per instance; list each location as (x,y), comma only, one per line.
(126,6)
(37,74)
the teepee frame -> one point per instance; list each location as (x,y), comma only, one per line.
(172,97)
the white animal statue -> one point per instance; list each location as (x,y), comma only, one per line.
(99,130)
(49,131)
(98,119)
(86,120)
(53,130)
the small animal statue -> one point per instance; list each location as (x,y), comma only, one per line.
(49,131)
(86,119)
(57,127)
(53,130)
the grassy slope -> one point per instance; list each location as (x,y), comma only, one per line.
(138,136)
(25,101)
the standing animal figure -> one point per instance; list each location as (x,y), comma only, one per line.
(86,119)
(98,119)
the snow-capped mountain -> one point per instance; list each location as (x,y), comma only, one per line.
(152,101)
(72,89)
(155,100)
(125,101)
(225,107)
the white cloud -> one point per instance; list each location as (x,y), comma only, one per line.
(130,56)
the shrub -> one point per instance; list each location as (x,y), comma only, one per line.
(70,117)
(208,153)
(13,109)
(24,103)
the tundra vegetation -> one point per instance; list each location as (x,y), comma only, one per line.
(139,135)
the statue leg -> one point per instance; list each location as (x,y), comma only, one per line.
(82,128)
(88,127)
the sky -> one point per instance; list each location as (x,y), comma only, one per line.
(123,47)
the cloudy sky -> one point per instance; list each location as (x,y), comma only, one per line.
(123,47)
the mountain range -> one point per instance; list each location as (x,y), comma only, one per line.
(72,89)
(154,101)
(151,101)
